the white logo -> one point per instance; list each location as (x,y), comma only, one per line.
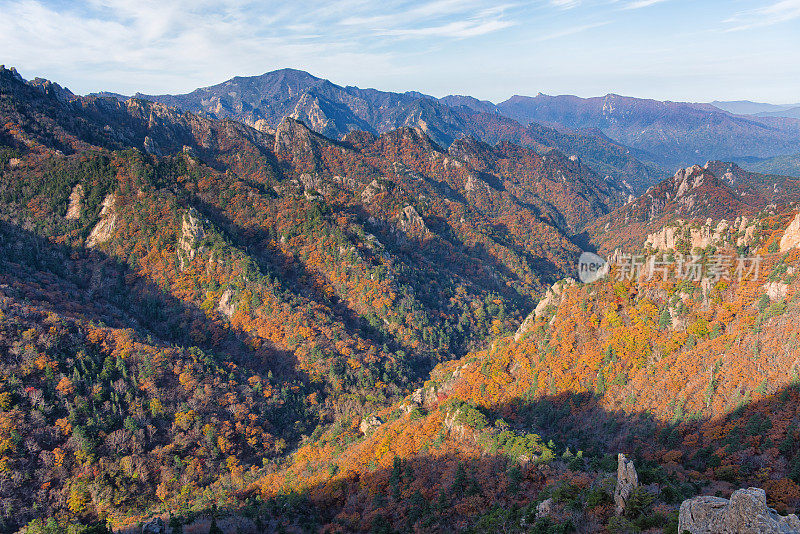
(591,267)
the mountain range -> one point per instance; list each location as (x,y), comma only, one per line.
(632,140)
(285,305)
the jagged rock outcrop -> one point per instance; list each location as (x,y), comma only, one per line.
(745,513)
(104,229)
(551,298)
(369,422)
(51,88)
(698,235)
(294,137)
(192,234)
(226,306)
(452,424)
(75,208)
(544,508)
(791,237)
(372,190)
(430,393)
(411,222)
(627,482)
(151,146)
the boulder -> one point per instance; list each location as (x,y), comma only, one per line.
(154,526)
(544,508)
(627,482)
(368,423)
(745,513)
(776,290)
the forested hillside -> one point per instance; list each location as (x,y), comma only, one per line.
(185,299)
(697,381)
(208,321)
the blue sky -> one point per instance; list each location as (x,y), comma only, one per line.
(694,50)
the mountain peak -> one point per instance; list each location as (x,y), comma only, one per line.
(286,72)
(292,133)
(11,72)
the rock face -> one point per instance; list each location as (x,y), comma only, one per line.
(745,513)
(544,508)
(104,229)
(192,234)
(791,237)
(702,235)
(226,305)
(292,136)
(627,482)
(369,423)
(551,298)
(411,222)
(75,208)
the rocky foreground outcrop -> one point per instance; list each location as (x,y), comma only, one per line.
(791,237)
(745,513)
(551,298)
(627,482)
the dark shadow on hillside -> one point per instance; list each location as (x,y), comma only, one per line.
(432,254)
(429,491)
(89,284)
(584,241)
(291,274)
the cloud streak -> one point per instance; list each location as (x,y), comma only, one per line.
(779,12)
(639,4)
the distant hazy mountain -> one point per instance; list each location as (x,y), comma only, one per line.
(482,106)
(793,113)
(788,165)
(673,132)
(746,107)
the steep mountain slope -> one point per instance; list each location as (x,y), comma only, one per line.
(720,192)
(696,381)
(672,132)
(200,318)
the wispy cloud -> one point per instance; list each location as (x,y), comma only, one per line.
(639,4)
(566,4)
(782,11)
(570,31)
(441,18)
(460,29)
